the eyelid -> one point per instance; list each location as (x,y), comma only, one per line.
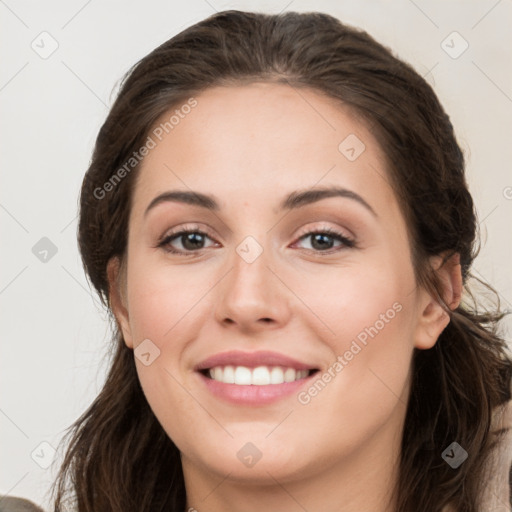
(206,230)
(186,227)
(324,228)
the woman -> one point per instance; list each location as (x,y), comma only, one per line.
(277,217)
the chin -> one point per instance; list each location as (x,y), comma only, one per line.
(253,459)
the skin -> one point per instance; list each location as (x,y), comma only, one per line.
(250,146)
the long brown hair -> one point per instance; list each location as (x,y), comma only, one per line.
(118,456)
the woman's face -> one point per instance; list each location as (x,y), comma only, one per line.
(262,285)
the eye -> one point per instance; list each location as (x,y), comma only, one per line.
(192,241)
(321,240)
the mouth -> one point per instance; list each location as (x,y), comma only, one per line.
(258,376)
(253,378)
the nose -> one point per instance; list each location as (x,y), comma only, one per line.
(252,296)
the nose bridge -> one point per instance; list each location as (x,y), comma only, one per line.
(251,291)
(251,261)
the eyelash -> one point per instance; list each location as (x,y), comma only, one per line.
(348,243)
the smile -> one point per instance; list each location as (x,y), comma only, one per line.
(254,378)
(259,376)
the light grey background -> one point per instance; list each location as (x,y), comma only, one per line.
(53,332)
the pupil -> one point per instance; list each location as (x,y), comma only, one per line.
(321,237)
(194,239)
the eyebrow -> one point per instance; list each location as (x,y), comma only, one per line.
(294,200)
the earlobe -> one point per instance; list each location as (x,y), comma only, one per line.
(116,300)
(433,317)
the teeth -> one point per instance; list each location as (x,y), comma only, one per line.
(289,375)
(228,376)
(259,376)
(276,375)
(243,375)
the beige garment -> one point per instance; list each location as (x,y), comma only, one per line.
(13,504)
(496,497)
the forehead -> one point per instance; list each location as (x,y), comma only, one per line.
(257,141)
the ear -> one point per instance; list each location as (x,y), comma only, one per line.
(117,300)
(433,318)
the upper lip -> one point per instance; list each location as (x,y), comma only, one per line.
(251,360)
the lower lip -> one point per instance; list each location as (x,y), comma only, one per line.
(252,394)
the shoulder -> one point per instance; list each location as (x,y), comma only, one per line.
(13,504)
(498,492)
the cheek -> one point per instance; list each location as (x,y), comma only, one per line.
(161,309)
(369,317)
(169,400)
(358,302)
(365,385)
(163,298)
